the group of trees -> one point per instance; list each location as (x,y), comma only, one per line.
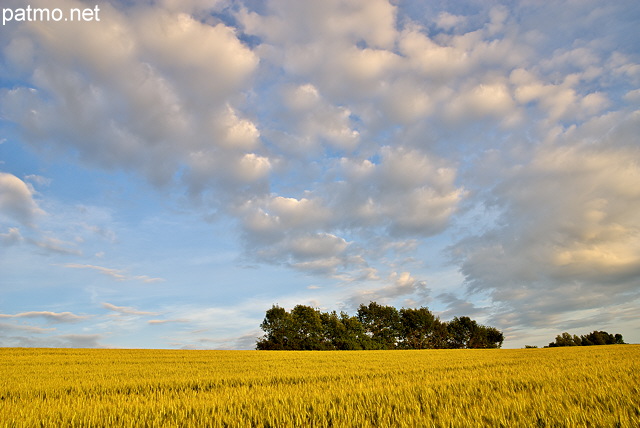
(593,338)
(373,327)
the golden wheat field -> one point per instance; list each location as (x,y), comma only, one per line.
(595,386)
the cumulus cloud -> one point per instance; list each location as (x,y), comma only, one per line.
(143,91)
(345,137)
(17,200)
(313,120)
(405,193)
(399,285)
(408,192)
(568,236)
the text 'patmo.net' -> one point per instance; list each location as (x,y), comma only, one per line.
(43,14)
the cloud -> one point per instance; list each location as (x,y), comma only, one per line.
(16,200)
(57,246)
(567,238)
(401,285)
(168,321)
(126,310)
(405,193)
(56,317)
(116,274)
(448,21)
(311,120)
(25,328)
(54,341)
(80,340)
(144,90)
(113,273)
(457,307)
(349,140)
(12,236)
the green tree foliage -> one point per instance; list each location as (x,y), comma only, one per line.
(418,328)
(381,323)
(593,338)
(467,333)
(374,327)
(278,326)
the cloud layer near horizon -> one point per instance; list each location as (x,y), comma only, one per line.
(348,141)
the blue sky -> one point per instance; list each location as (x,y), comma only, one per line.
(170,172)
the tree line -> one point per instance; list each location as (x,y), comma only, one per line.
(593,338)
(374,326)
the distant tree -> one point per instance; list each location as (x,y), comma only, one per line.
(593,338)
(382,323)
(417,328)
(461,332)
(565,339)
(491,337)
(278,328)
(343,332)
(440,338)
(333,330)
(374,327)
(307,328)
(467,333)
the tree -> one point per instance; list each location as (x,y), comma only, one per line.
(565,339)
(467,333)
(377,327)
(278,327)
(492,337)
(417,328)
(382,323)
(307,328)
(593,338)
(343,332)
(440,338)
(461,332)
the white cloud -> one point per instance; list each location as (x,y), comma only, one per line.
(401,285)
(141,91)
(126,310)
(432,60)
(568,236)
(346,139)
(447,21)
(25,328)
(167,321)
(57,317)
(492,99)
(408,193)
(117,274)
(293,22)
(17,200)
(12,236)
(316,121)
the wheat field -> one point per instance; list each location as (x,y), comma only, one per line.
(596,386)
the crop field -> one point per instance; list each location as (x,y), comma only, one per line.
(595,386)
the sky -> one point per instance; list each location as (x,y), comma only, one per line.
(169,170)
